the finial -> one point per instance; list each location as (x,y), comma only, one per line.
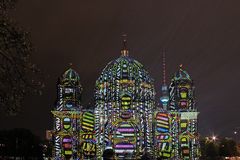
(124,36)
(181,66)
(124,50)
(70,64)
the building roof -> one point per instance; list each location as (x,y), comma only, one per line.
(181,75)
(70,77)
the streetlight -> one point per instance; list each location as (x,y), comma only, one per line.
(235,136)
(214,138)
(236,133)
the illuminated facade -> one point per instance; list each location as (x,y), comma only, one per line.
(175,123)
(125,117)
(67,117)
(124,99)
(87,135)
(183,112)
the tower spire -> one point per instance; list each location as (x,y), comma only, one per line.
(164,68)
(165,97)
(124,51)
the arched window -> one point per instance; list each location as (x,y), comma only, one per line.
(183,93)
(67,146)
(66,123)
(126,102)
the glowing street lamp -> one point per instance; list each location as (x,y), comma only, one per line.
(214,138)
(235,136)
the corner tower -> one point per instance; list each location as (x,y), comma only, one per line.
(67,116)
(184,116)
(124,98)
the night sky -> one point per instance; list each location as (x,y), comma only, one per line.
(202,35)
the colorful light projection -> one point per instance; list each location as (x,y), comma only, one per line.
(67,117)
(87,134)
(163,138)
(124,138)
(182,107)
(124,101)
(67,146)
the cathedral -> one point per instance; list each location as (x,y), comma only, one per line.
(126,117)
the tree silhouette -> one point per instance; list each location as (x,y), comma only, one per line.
(20,143)
(227,148)
(212,150)
(16,69)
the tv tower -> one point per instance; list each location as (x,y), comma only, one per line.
(165,96)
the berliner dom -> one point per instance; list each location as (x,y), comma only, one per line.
(125,117)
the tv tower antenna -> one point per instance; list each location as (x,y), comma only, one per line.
(165,97)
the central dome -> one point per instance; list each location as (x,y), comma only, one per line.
(125,68)
(124,98)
